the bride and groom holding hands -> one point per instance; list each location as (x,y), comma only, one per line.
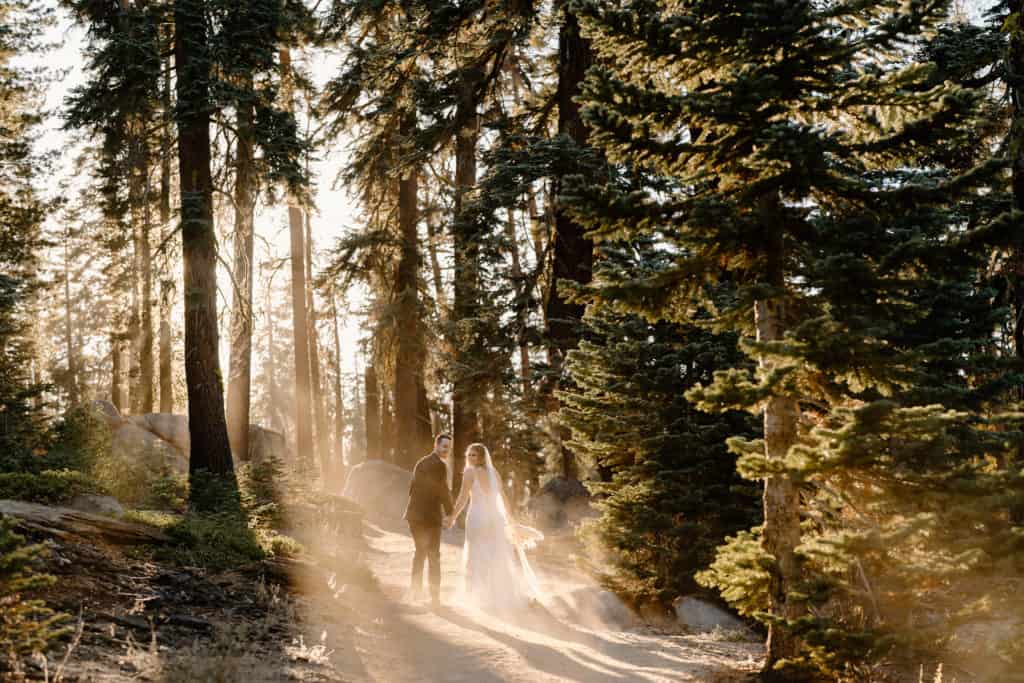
(496,572)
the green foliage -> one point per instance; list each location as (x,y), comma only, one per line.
(792,152)
(49,487)
(669,493)
(26,625)
(215,541)
(740,571)
(81,440)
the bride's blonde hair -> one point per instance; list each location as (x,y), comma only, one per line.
(476,449)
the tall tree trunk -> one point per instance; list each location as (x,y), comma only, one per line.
(323,445)
(371,413)
(116,372)
(300,322)
(146,332)
(135,278)
(781,534)
(166,381)
(433,237)
(521,309)
(410,352)
(210,448)
(339,399)
(166,284)
(1015,67)
(240,367)
(466,257)
(573,253)
(69,337)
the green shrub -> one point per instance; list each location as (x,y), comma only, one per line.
(214,541)
(81,440)
(50,487)
(26,625)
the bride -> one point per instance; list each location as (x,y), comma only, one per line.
(497,573)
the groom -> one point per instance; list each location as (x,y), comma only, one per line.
(428,493)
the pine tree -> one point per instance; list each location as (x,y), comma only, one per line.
(778,143)
(21,216)
(671,493)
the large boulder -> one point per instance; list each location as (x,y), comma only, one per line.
(266,444)
(133,443)
(168,427)
(698,616)
(561,503)
(99,505)
(379,487)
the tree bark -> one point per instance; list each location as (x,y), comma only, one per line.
(69,337)
(573,252)
(210,448)
(240,368)
(371,414)
(1015,68)
(466,253)
(410,353)
(781,534)
(339,399)
(146,333)
(521,309)
(116,371)
(433,237)
(300,321)
(166,383)
(323,445)
(166,284)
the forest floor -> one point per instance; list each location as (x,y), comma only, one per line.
(144,620)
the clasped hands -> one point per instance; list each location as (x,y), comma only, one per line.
(448,521)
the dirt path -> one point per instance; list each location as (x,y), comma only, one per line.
(395,642)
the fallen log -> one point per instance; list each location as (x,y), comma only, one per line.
(64,523)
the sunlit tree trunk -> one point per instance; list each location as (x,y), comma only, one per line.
(300,322)
(339,399)
(71,349)
(371,412)
(146,333)
(781,534)
(210,448)
(116,372)
(323,445)
(240,368)
(167,283)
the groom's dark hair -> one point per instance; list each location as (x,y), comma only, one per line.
(442,435)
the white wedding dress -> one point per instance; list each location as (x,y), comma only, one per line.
(497,574)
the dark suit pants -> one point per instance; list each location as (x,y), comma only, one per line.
(427,538)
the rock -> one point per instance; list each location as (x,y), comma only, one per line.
(379,487)
(108,411)
(167,427)
(266,444)
(594,607)
(64,523)
(134,443)
(100,505)
(560,503)
(698,616)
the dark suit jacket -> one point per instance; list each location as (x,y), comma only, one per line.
(428,492)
